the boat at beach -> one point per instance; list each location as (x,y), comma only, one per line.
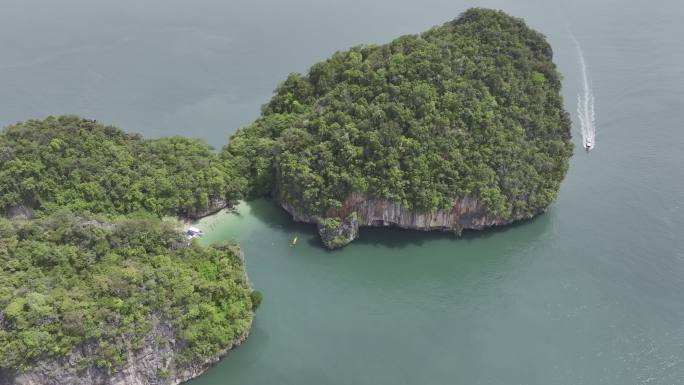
(194,232)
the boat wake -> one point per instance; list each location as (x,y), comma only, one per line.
(585,104)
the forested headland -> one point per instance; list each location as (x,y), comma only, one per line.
(80,164)
(471,109)
(94,280)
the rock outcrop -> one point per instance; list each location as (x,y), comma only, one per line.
(338,227)
(336,233)
(20,212)
(215,205)
(154,363)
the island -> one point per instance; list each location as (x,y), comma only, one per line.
(460,127)
(99,282)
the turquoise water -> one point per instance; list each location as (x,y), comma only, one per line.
(500,307)
(592,292)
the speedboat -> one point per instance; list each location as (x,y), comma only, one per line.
(588,144)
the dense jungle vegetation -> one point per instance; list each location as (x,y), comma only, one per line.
(471,108)
(80,164)
(468,109)
(97,266)
(67,279)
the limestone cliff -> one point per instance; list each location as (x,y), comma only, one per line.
(360,210)
(153,364)
(215,205)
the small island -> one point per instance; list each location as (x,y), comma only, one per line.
(460,127)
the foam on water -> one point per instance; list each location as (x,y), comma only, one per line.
(585,103)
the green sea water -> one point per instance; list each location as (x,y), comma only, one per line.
(591,292)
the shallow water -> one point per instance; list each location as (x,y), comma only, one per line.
(589,293)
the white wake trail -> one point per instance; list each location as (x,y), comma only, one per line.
(585,103)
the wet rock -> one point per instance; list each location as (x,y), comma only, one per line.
(20,212)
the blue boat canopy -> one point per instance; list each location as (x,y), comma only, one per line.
(194,231)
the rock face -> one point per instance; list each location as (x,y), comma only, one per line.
(20,212)
(339,233)
(360,210)
(215,205)
(153,364)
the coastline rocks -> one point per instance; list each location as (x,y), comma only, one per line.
(338,227)
(153,363)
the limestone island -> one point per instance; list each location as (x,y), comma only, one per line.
(460,127)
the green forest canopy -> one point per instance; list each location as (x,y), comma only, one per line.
(471,108)
(80,164)
(67,279)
